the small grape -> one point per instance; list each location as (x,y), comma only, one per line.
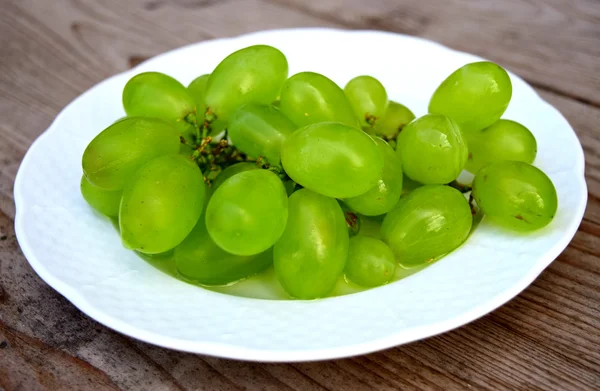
(396,117)
(432,149)
(370,262)
(196,89)
(382,197)
(311,254)
(248,212)
(161,204)
(260,130)
(368,98)
(251,75)
(428,223)
(503,140)
(515,195)
(333,159)
(475,95)
(112,157)
(309,98)
(154,94)
(199,259)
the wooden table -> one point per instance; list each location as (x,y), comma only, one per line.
(546,338)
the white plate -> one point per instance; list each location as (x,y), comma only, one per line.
(80,255)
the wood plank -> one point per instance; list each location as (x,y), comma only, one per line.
(553,44)
(546,338)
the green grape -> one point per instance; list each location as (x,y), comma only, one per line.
(161,204)
(370,226)
(432,149)
(333,159)
(309,98)
(247,214)
(504,140)
(230,171)
(199,259)
(368,98)
(396,117)
(251,75)
(196,90)
(119,150)
(475,96)
(515,195)
(154,94)
(104,201)
(259,130)
(428,223)
(382,197)
(311,254)
(370,262)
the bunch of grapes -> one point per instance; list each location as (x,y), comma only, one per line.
(247,168)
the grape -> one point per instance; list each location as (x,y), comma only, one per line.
(247,214)
(119,150)
(161,204)
(370,262)
(396,117)
(333,159)
(368,98)
(515,195)
(154,94)
(504,140)
(199,259)
(196,90)
(475,96)
(432,149)
(231,171)
(311,254)
(104,201)
(259,130)
(251,75)
(309,98)
(385,194)
(428,223)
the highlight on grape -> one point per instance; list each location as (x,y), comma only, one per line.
(247,169)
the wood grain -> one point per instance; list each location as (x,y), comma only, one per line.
(546,338)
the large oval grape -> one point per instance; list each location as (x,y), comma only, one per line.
(260,130)
(309,98)
(432,149)
(247,214)
(503,140)
(396,117)
(515,195)
(428,223)
(475,96)
(382,197)
(119,150)
(161,204)
(199,259)
(368,98)
(370,262)
(311,254)
(104,201)
(251,75)
(333,159)
(154,94)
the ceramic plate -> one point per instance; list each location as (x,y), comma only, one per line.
(79,253)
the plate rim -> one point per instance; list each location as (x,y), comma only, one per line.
(233,351)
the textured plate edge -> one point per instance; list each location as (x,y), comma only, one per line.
(235,352)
